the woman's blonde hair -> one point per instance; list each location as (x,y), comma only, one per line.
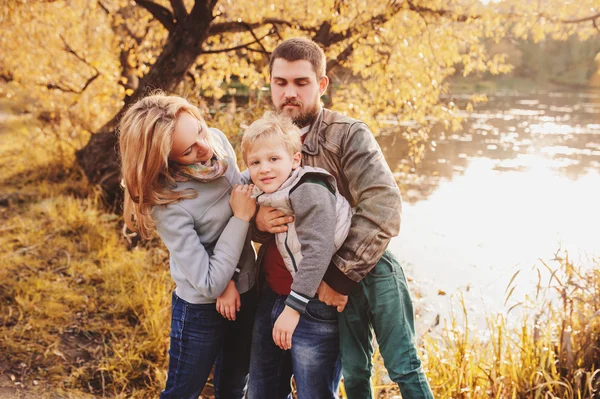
(145,140)
(270,128)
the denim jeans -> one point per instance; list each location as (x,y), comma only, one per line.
(201,337)
(382,305)
(313,360)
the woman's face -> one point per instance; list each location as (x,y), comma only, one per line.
(190,141)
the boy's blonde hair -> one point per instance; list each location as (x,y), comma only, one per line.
(272,127)
(145,141)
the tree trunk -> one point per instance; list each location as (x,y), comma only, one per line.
(99,158)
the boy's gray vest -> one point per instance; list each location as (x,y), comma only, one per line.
(287,242)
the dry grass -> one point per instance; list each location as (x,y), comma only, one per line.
(82,315)
(549,350)
(78,309)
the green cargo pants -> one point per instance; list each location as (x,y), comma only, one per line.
(381,305)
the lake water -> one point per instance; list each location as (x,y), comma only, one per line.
(520,181)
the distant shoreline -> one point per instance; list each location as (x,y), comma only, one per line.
(462,85)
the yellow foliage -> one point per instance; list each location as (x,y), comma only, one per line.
(396,51)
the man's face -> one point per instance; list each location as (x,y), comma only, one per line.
(296,91)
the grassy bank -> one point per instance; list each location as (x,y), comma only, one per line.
(545,346)
(79,311)
(82,314)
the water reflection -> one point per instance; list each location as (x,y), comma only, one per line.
(561,127)
(521,180)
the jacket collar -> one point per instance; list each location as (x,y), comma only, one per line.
(311,142)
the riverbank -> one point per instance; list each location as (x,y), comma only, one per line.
(83,314)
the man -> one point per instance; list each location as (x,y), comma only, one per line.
(364,280)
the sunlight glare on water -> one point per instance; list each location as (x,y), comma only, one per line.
(478,230)
(501,201)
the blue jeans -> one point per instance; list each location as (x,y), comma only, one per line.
(313,360)
(201,337)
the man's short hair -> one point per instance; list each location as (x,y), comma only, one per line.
(297,49)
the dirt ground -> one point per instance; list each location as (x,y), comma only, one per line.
(10,389)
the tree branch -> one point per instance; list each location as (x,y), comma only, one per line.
(201,9)
(592,18)
(433,52)
(441,13)
(106,10)
(89,82)
(123,25)
(234,26)
(7,76)
(64,88)
(179,9)
(57,86)
(69,50)
(343,56)
(160,13)
(327,39)
(257,40)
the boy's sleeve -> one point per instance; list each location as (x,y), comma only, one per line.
(314,209)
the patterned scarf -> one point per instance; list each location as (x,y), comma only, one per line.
(202,171)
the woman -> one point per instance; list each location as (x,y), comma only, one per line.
(181,177)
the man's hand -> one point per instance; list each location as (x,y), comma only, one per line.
(284,327)
(228,303)
(272,220)
(331,297)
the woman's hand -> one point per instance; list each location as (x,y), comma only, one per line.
(284,327)
(242,205)
(228,303)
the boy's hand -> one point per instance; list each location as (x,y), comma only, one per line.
(331,297)
(228,303)
(272,220)
(284,327)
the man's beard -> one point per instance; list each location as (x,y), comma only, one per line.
(305,117)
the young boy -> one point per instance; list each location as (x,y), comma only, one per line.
(271,149)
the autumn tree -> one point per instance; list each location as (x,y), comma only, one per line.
(388,60)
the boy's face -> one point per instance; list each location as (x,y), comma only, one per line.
(296,91)
(190,141)
(270,165)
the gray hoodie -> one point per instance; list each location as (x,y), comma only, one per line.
(323,219)
(205,241)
